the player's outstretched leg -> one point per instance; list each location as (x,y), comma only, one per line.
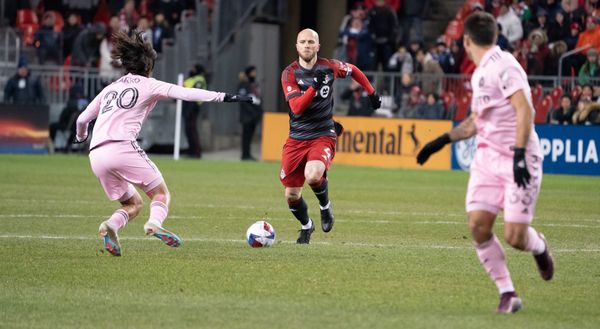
(537,244)
(299,209)
(159,210)
(322,192)
(109,231)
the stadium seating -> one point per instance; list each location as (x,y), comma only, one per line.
(537,95)
(556,93)
(576,92)
(449,101)
(542,110)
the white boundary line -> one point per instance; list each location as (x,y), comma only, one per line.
(324,243)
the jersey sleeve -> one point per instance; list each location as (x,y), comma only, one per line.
(90,113)
(511,81)
(340,69)
(163,90)
(289,85)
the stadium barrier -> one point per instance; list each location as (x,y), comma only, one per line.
(570,150)
(372,142)
(23,129)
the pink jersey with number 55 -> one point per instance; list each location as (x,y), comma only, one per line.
(495,80)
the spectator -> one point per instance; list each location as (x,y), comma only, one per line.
(22,88)
(128,16)
(592,8)
(563,114)
(571,39)
(191,110)
(458,53)
(143,25)
(411,18)
(551,7)
(109,68)
(401,61)
(444,56)
(551,62)
(160,32)
(591,36)
(171,9)
(403,89)
(432,70)
(572,11)
(502,41)
(410,106)
(71,30)
(86,46)
(541,22)
(587,114)
(432,108)
(383,26)
(558,29)
(360,105)
(359,45)
(84,8)
(511,24)
(250,113)
(538,52)
(47,42)
(589,68)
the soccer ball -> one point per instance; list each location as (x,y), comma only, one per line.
(260,234)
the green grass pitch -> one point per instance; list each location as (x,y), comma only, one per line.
(400,255)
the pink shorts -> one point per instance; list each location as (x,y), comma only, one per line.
(120,164)
(492,186)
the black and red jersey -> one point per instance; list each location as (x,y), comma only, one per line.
(314,120)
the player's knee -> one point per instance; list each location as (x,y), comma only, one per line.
(314,177)
(514,239)
(480,231)
(292,196)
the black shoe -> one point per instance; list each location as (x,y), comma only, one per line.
(248,158)
(327,219)
(509,303)
(304,236)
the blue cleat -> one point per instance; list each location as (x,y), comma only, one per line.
(111,239)
(169,238)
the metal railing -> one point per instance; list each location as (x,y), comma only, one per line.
(11,46)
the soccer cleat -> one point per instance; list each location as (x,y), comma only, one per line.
(544,261)
(327,219)
(169,238)
(509,303)
(111,239)
(304,236)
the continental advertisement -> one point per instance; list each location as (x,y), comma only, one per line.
(372,142)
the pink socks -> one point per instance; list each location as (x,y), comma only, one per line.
(158,213)
(118,220)
(535,244)
(491,256)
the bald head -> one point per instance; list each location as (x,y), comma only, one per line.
(307,45)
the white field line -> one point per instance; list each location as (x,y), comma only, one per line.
(324,243)
(374,221)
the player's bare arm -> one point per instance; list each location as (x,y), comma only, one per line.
(464,130)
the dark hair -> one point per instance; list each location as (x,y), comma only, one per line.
(481,28)
(565,96)
(136,55)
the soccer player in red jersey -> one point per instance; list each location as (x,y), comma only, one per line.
(307,154)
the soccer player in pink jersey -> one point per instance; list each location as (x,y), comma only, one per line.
(115,157)
(507,170)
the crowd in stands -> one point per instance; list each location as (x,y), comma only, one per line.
(387,35)
(82,37)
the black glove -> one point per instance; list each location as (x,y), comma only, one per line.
(520,171)
(319,79)
(375,100)
(229,98)
(432,147)
(339,129)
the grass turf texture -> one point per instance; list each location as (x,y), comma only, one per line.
(400,254)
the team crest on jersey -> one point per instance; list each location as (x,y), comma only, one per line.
(289,88)
(282,174)
(324,91)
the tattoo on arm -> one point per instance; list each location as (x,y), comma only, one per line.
(464,130)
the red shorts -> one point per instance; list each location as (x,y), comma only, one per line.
(296,153)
